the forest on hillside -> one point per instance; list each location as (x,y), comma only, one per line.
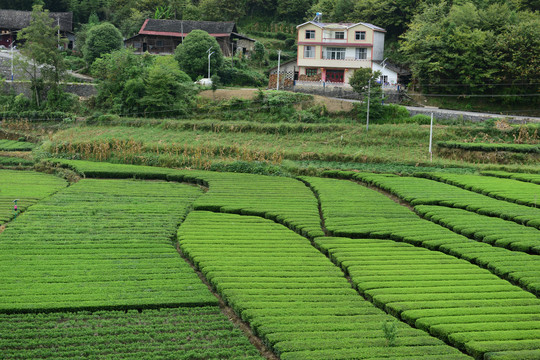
(463,47)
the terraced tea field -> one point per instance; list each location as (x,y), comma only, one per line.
(149,263)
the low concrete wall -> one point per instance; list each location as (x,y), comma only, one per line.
(23,87)
(468,115)
(341,92)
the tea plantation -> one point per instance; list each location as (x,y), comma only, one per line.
(137,262)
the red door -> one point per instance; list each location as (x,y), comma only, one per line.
(336,76)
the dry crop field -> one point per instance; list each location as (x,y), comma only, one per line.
(155,263)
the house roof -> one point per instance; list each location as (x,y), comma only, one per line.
(398,70)
(182,28)
(283,64)
(16,19)
(342,25)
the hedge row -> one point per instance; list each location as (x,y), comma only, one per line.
(285,200)
(182,333)
(352,210)
(12,145)
(517,148)
(418,191)
(275,280)
(100,244)
(26,186)
(533,178)
(494,231)
(34,115)
(502,189)
(399,277)
(15,161)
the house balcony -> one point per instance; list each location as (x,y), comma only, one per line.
(347,63)
(334,40)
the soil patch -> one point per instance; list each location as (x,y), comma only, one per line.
(333,105)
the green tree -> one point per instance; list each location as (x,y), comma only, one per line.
(364,82)
(192,55)
(362,77)
(41,60)
(392,15)
(101,39)
(293,10)
(222,10)
(113,71)
(467,50)
(168,90)
(259,52)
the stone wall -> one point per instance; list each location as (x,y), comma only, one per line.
(23,87)
(469,116)
(340,91)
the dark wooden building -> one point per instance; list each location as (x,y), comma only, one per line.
(163,36)
(12,21)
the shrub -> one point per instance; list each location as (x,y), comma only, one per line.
(192,54)
(241,77)
(393,112)
(102,39)
(290,43)
(419,119)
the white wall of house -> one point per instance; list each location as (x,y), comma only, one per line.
(378,45)
(392,76)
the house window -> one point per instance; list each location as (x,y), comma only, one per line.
(309,52)
(311,72)
(339,35)
(159,43)
(335,53)
(360,35)
(361,53)
(310,34)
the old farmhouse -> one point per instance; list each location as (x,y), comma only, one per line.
(12,21)
(163,36)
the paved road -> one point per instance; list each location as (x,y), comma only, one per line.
(6,54)
(467,115)
(471,114)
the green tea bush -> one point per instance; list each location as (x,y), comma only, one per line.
(533,178)
(488,147)
(503,189)
(393,221)
(205,333)
(400,277)
(27,186)
(276,280)
(122,250)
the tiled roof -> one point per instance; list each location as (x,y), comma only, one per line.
(186,26)
(16,20)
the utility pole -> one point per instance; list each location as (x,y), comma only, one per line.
(431,139)
(12,57)
(278,64)
(209,54)
(58,32)
(182,27)
(368,96)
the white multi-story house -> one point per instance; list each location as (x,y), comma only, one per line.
(333,51)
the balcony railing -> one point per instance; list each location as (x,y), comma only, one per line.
(345,59)
(333,39)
